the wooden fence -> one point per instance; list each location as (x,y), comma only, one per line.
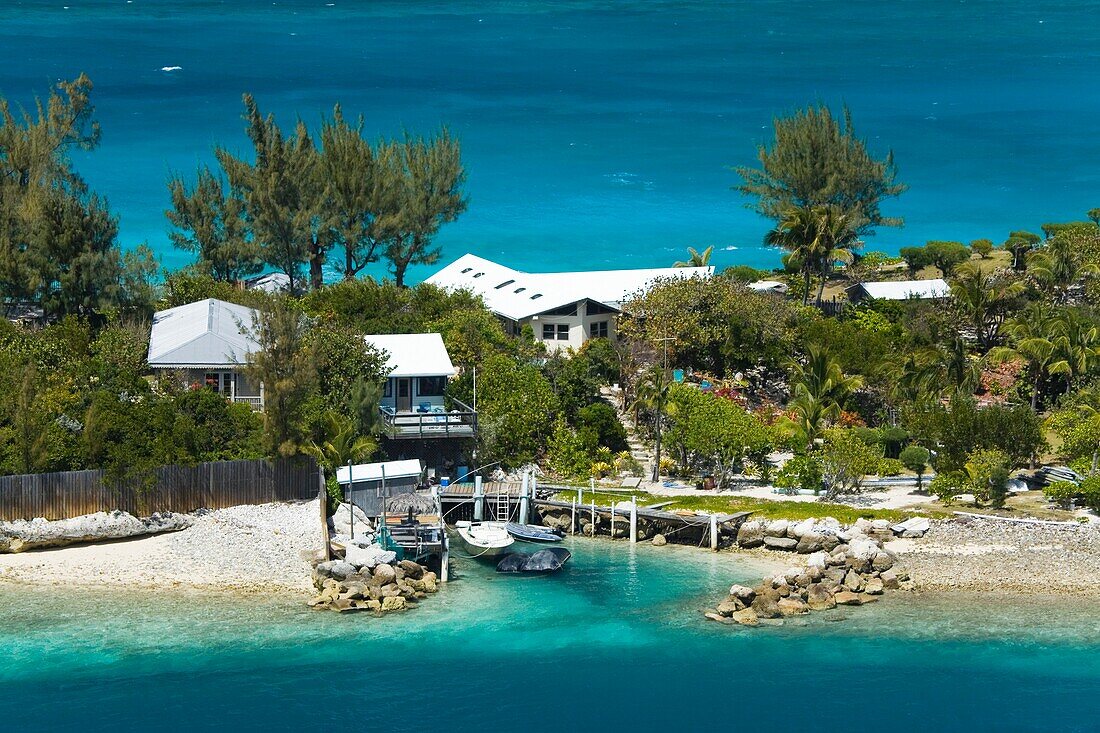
(177,489)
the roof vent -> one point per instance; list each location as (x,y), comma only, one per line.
(520,290)
(536,296)
(465,270)
(478,274)
(505,284)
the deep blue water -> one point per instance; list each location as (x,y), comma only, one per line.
(597,133)
(616,642)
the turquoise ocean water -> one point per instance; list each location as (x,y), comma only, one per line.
(597,134)
(615,642)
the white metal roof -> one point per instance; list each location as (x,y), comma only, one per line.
(206,333)
(373,471)
(905,289)
(517,295)
(414,354)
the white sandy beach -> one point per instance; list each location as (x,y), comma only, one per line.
(261,548)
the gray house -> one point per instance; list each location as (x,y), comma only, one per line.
(207,342)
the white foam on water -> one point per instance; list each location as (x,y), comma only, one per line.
(171,68)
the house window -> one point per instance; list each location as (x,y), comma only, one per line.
(431,386)
(388,392)
(213,381)
(599,330)
(552,332)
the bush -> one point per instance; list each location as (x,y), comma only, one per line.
(801,472)
(982,247)
(890,467)
(1062,492)
(947,485)
(915,458)
(599,425)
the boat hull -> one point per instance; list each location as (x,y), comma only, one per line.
(484,539)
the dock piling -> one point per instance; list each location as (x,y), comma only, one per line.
(523,500)
(479,500)
(593,516)
(714,532)
(633,520)
(573,519)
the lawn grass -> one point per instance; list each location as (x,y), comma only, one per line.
(761,508)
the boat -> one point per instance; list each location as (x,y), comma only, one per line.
(546,560)
(531,532)
(484,539)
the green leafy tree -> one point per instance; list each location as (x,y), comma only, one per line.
(982,247)
(711,433)
(987,472)
(282,195)
(915,458)
(916,258)
(1031,333)
(340,443)
(1059,266)
(959,427)
(845,462)
(818,390)
(1020,243)
(947,255)
(817,160)
(600,421)
(1076,340)
(284,364)
(209,220)
(1094,216)
(422,192)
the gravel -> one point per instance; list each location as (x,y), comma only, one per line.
(987,555)
(254,548)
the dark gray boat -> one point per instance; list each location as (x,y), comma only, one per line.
(532,533)
(548,560)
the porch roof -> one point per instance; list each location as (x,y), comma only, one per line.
(373,471)
(414,354)
(204,334)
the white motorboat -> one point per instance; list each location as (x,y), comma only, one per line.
(484,539)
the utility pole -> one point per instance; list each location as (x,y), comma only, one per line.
(662,386)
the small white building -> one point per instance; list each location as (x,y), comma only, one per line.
(564,309)
(900,290)
(207,341)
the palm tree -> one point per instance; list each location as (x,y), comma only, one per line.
(1076,346)
(816,238)
(1031,333)
(819,387)
(985,299)
(651,393)
(341,443)
(697,259)
(1056,266)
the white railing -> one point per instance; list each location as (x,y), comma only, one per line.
(255,402)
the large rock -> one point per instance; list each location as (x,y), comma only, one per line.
(797,531)
(817,559)
(23,535)
(810,542)
(750,534)
(861,552)
(412,569)
(659,540)
(385,574)
(393,603)
(746,617)
(742,593)
(780,543)
(729,607)
(368,557)
(792,606)
(337,569)
(853,581)
(341,520)
(776,528)
(848,598)
(883,561)
(889,580)
(819,598)
(766,605)
(874,587)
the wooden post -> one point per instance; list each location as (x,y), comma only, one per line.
(633,520)
(445,560)
(322,497)
(580,495)
(593,517)
(479,500)
(714,532)
(612,519)
(573,519)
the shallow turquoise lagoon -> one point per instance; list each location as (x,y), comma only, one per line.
(615,642)
(597,133)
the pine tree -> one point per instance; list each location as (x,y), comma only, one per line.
(210,221)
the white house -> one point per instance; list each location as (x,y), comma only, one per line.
(564,309)
(900,290)
(414,402)
(207,341)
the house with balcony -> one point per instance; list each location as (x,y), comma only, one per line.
(205,344)
(415,404)
(564,309)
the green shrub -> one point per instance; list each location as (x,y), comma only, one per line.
(801,472)
(947,485)
(890,467)
(1062,492)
